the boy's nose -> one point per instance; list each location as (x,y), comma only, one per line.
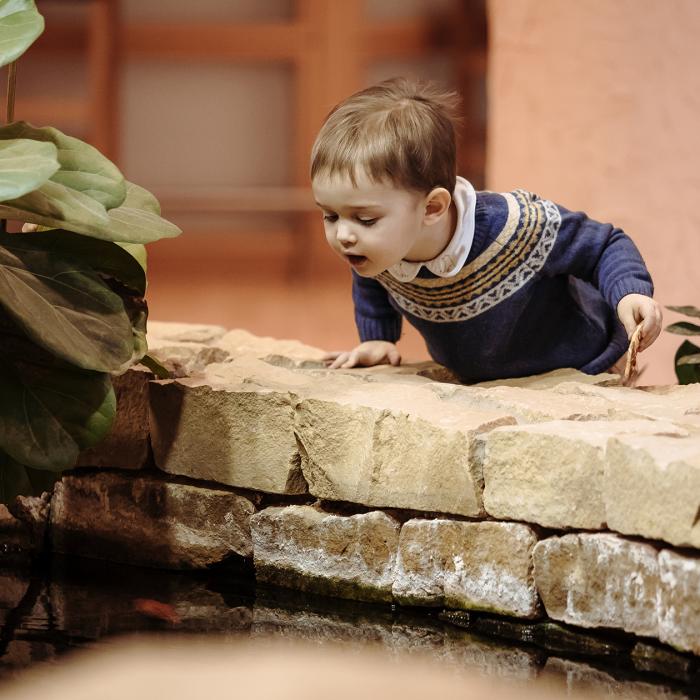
(345,235)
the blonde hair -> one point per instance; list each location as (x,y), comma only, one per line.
(399,130)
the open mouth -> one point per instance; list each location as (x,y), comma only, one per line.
(356,260)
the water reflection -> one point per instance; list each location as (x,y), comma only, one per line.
(66,603)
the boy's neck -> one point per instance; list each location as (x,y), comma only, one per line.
(436,239)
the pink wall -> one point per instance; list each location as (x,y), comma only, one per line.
(596,105)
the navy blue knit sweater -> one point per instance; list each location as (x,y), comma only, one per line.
(538,291)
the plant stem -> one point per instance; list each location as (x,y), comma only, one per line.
(10,111)
(11,84)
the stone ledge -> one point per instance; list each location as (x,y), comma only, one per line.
(148,521)
(560,450)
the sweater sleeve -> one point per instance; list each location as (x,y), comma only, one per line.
(375,317)
(600,254)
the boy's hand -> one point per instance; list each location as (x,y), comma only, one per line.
(367,354)
(634,309)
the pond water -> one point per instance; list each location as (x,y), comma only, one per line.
(52,606)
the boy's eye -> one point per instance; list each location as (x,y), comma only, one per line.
(330,217)
(367,222)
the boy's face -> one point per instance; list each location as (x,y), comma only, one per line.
(372,226)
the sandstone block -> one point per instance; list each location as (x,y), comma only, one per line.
(669,403)
(599,580)
(552,473)
(343,556)
(652,487)
(481,566)
(679,600)
(394,446)
(185,359)
(166,331)
(148,521)
(127,445)
(532,405)
(582,679)
(226,433)
(241,343)
(549,380)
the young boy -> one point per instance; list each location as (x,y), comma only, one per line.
(498,285)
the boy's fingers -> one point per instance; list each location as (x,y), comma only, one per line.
(29,228)
(351,360)
(339,360)
(394,357)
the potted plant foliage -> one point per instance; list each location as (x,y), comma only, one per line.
(687,359)
(72,309)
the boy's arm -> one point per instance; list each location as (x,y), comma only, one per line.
(378,324)
(605,256)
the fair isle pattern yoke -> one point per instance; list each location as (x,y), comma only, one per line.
(517,254)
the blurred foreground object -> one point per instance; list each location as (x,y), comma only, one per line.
(178,668)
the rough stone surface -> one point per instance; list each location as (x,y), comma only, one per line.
(549,380)
(552,473)
(148,521)
(165,331)
(34,512)
(679,600)
(127,445)
(529,405)
(345,556)
(239,343)
(583,679)
(184,359)
(672,403)
(599,580)
(652,488)
(228,434)
(392,446)
(481,566)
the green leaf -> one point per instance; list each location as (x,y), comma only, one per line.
(14,480)
(50,410)
(20,25)
(686,310)
(684,328)
(63,305)
(42,480)
(83,168)
(57,206)
(137,220)
(105,257)
(687,373)
(138,252)
(24,166)
(690,360)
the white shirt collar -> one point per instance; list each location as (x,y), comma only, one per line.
(453,257)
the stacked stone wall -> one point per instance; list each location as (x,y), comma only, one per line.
(561,496)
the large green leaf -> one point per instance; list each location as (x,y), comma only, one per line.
(684,328)
(138,252)
(137,219)
(56,206)
(63,305)
(24,165)
(14,480)
(50,410)
(107,258)
(687,373)
(83,168)
(686,310)
(20,25)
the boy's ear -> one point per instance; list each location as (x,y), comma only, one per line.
(437,203)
